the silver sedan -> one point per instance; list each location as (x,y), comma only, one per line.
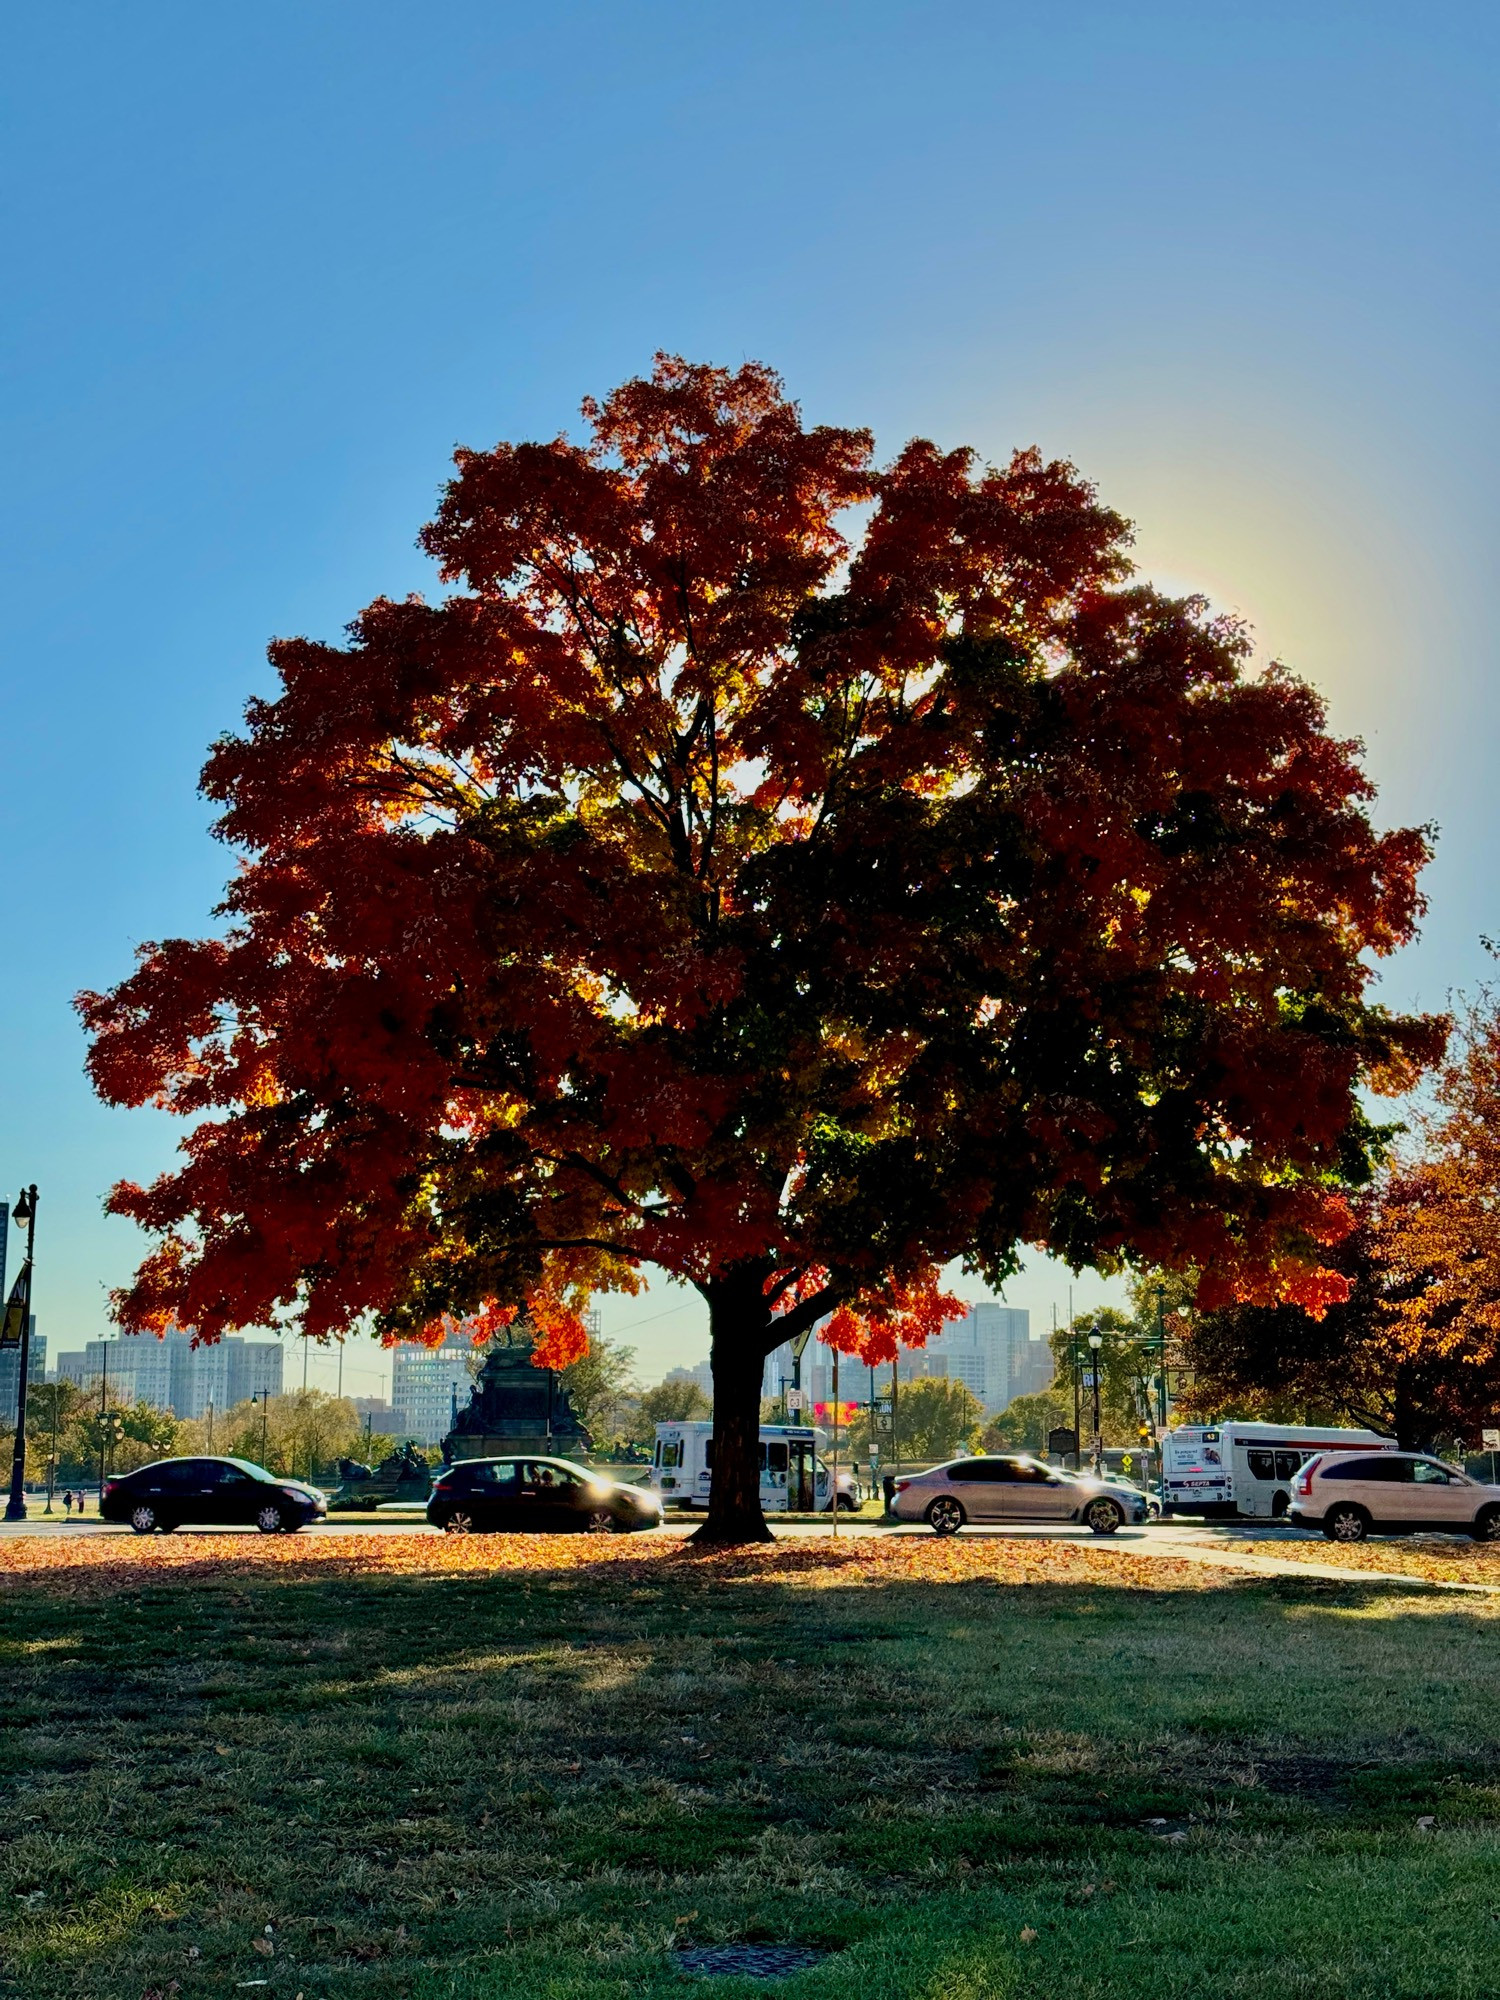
(1014,1489)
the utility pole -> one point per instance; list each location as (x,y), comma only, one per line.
(103,1402)
(895,1433)
(1161,1393)
(833,1496)
(15,1331)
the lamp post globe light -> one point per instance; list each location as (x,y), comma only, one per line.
(15,1331)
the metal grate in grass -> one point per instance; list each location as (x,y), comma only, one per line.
(747,1961)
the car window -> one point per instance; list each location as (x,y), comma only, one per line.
(503,1473)
(1427,1473)
(557,1477)
(1287,1463)
(1262,1464)
(1023,1471)
(1389,1469)
(182,1473)
(969,1470)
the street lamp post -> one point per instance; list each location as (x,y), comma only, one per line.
(16,1332)
(1096,1342)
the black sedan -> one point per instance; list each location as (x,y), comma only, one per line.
(210,1493)
(536,1496)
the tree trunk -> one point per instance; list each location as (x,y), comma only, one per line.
(739,1322)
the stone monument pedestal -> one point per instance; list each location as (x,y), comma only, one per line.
(516,1408)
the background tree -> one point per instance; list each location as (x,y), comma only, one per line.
(306,1432)
(1127,1366)
(1414,1349)
(1025,1423)
(676,1402)
(1436,1239)
(935,1418)
(696,886)
(132,1434)
(604,1390)
(1282,1365)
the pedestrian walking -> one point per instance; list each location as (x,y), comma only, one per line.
(68,1504)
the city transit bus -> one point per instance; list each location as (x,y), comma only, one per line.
(1245,1471)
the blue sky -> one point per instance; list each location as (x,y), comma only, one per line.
(264,268)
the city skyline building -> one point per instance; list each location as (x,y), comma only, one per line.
(702,1372)
(424,1383)
(171,1374)
(991,1349)
(10,1369)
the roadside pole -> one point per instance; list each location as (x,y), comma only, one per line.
(833,1496)
(103,1404)
(15,1331)
(1161,1395)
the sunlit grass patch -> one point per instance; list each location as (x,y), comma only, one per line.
(505,1768)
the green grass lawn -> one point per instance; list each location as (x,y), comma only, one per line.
(536,1784)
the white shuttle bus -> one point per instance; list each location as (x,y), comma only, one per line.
(792,1479)
(1228,1471)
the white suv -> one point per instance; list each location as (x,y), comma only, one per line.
(1351,1494)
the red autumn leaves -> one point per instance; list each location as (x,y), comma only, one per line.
(792,898)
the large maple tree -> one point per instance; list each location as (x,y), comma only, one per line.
(786,870)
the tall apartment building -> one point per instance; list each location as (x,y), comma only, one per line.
(172,1374)
(702,1372)
(223,1373)
(991,1350)
(424,1384)
(10,1370)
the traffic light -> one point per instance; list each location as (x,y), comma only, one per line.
(1143,1432)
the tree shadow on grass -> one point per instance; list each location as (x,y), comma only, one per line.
(556,1770)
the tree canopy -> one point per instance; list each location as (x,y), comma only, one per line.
(787,870)
(1414,1347)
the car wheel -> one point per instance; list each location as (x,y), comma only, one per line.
(1279,1506)
(1487,1525)
(270,1520)
(459,1523)
(599,1521)
(1103,1516)
(1346,1524)
(143,1519)
(946,1515)
(846,1503)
